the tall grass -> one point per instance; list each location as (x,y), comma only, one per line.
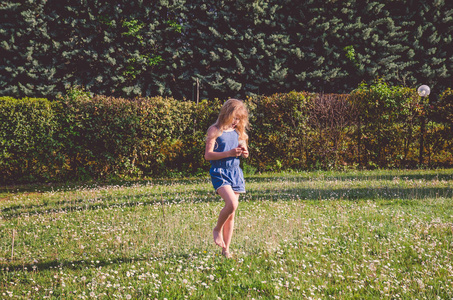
(363,235)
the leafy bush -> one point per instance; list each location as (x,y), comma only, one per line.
(387,124)
(203,115)
(278,137)
(301,131)
(442,111)
(439,133)
(106,135)
(83,136)
(28,128)
(331,120)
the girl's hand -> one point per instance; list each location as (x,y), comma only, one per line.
(245,152)
(236,152)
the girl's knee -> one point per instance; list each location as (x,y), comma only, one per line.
(234,206)
(231,207)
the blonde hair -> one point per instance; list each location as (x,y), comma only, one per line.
(233,108)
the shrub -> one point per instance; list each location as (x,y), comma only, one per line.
(301,131)
(387,124)
(203,115)
(106,135)
(278,136)
(83,136)
(331,120)
(28,142)
(439,135)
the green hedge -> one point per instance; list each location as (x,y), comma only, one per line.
(106,135)
(28,140)
(440,130)
(387,124)
(82,136)
(278,136)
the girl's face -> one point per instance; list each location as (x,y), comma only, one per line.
(235,122)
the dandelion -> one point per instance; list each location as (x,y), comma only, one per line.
(420,284)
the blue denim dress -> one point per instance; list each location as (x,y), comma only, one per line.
(226,171)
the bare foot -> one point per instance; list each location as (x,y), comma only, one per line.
(218,238)
(226,253)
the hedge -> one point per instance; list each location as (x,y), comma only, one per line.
(28,140)
(82,136)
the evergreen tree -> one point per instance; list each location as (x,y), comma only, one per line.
(234,48)
(430,41)
(25,68)
(106,47)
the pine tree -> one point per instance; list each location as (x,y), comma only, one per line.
(233,48)
(105,47)
(430,39)
(24,51)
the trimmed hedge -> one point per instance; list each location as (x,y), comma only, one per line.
(28,140)
(440,130)
(387,125)
(82,136)
(279,130)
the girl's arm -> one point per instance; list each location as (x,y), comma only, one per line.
(209,153)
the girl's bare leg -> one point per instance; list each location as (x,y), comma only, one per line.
(228,227)
(231,204)
(227,234)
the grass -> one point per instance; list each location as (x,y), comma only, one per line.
(319,235)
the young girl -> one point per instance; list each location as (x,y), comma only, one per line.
(227,141)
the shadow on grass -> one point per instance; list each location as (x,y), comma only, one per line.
(64,187)
(442,174)
(351,176)
(104,202)
(202,195)
(80,264)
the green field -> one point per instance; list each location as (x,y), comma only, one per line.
(319,235)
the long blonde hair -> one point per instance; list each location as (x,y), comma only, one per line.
(230,109)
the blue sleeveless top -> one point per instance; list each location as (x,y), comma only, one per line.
(227,141)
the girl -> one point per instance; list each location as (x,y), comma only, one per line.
(226,141)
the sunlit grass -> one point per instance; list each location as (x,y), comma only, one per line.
(328,235)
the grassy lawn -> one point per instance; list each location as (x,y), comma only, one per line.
(319,235)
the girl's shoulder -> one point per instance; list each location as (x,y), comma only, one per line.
(213,132)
